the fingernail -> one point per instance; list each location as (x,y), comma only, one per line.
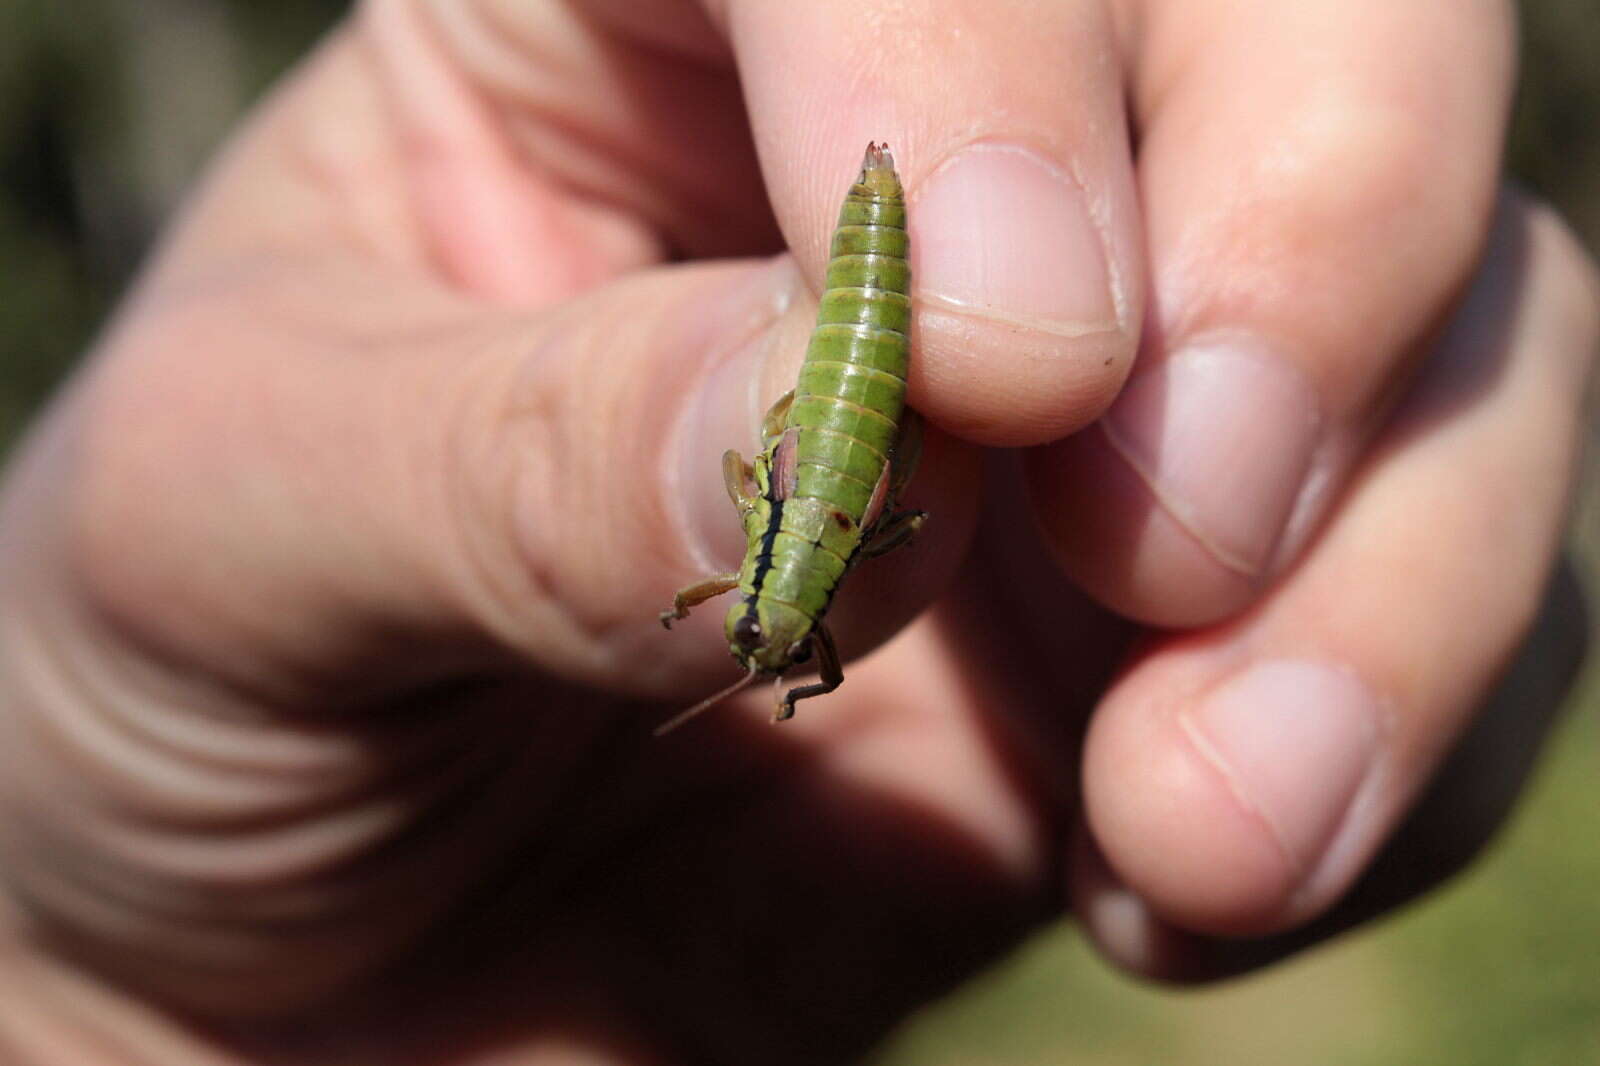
(1001,232)
(1295,740)
(1223,432)
(1121,924)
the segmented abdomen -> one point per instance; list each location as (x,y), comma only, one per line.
(853,383)
(848,401)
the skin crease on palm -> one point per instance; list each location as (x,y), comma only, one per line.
(329,654)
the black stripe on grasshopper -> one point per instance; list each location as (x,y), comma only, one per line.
(836,452)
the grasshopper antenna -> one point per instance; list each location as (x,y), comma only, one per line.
(743,683)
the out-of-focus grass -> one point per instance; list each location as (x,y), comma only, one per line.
(107,107)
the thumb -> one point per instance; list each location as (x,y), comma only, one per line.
(318,473)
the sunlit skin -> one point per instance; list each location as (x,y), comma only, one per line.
(329,657)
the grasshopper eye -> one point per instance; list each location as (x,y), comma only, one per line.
(747,633)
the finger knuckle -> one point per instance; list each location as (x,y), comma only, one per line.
(497,440)
(531,534)
(1373,164)
(132,452)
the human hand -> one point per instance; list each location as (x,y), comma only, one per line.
(330,654)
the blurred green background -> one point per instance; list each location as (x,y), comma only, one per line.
(108,107)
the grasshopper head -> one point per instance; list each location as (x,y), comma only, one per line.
(771,637)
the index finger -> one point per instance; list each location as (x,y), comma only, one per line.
(1011,137)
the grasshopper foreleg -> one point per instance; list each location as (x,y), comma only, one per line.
(696,594)
(772,425)
(736,477)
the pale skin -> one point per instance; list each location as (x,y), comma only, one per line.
(330,651)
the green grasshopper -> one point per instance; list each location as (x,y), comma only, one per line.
(837,451)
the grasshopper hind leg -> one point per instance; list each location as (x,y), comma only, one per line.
(897,529)
(893,532)
(907,453)
(832,676)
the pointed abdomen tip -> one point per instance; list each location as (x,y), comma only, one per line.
(878,157)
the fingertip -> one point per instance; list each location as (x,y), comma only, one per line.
(1011,139)
(1174,829)
(1120,924)
(1027,317)
(1131,936)
(1011,385)
(1112,536)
